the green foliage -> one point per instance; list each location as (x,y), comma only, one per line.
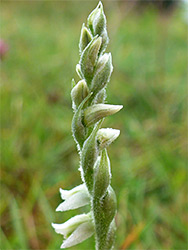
(38,153)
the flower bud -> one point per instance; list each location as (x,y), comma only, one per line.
(97,24)
(89,156)
(102,175)
(104,212)
(85,38)
(78,129)
(111,235)
(79,93)
(105,40)
(89,57)
(109,205)
(106,136)
(102,73)
(98,111)
(100,97)
(97,20)
(78,71)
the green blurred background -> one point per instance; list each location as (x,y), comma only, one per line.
(38,154)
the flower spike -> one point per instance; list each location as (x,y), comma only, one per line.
(88,101)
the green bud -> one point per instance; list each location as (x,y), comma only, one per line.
(97,20)
(78,71)
(102,175)
(89,155)
(105,40)
(79,93)
(109,205)
(100,97)
(106,136)
(102,73)
(104,212)
(97,24)
(89,57)
(85,38)
(111,235)
(96,112)
(91,18)
(78,129)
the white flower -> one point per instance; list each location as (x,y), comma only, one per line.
(96,112)
(75,230)
(106,136)
(74,198)
(83,232)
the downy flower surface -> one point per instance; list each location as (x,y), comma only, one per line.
(88,102)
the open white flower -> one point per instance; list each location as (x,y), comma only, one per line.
(74,198)
(83,232)
(75,230)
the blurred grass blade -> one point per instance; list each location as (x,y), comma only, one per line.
(4,243)
(46,208)
(19,230)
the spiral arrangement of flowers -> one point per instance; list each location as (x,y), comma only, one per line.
(88,102)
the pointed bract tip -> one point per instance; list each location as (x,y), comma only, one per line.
(100,5)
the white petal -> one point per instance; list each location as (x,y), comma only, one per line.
(77,200)
(69,226)
(106,136)
(67,193)
(83,232)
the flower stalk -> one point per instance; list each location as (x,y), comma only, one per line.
(88,96)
